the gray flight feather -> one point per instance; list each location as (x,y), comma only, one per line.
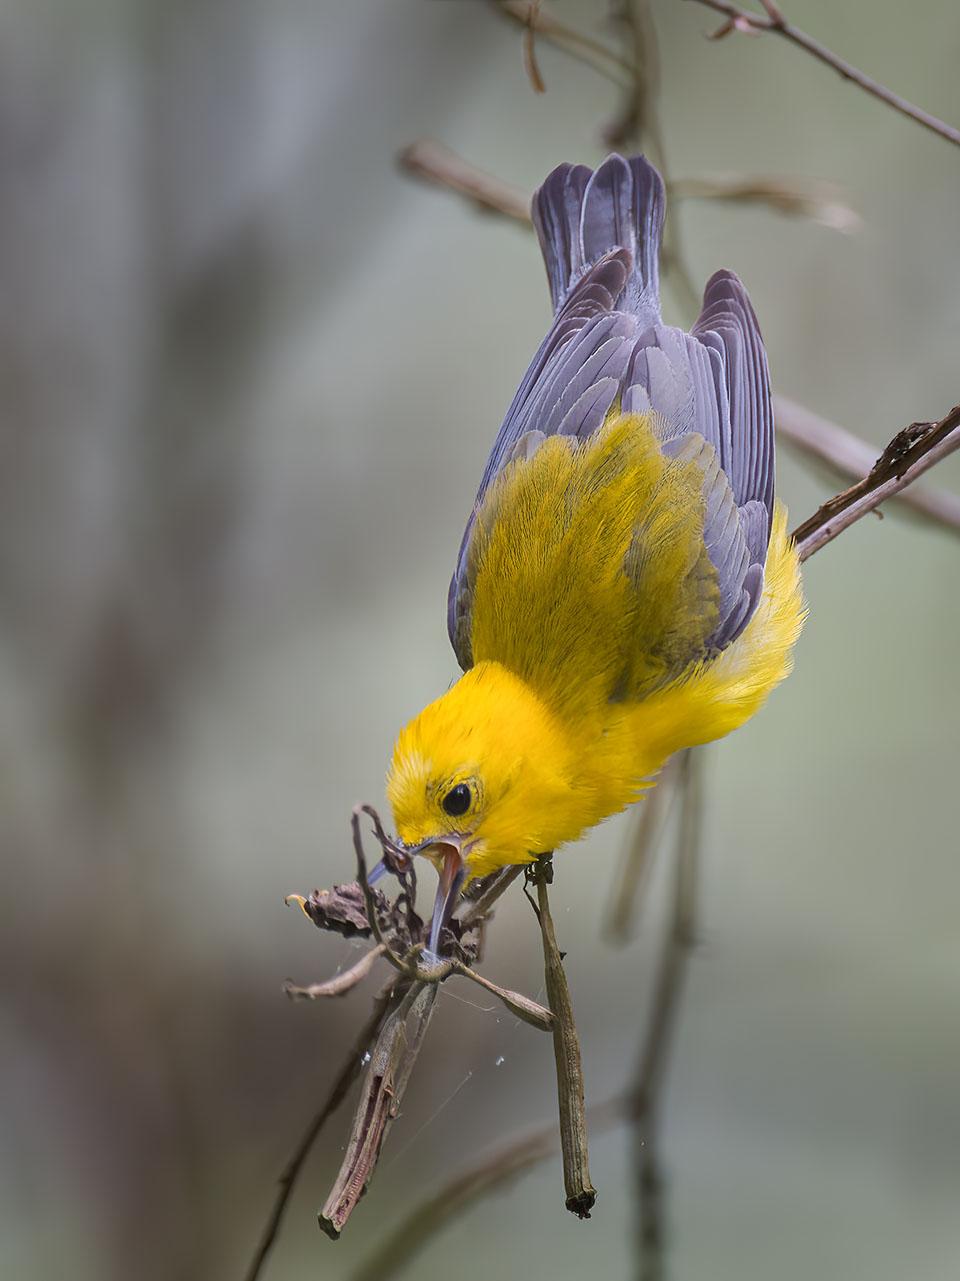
(600,237)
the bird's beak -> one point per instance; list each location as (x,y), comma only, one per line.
(448,860)
(446,855)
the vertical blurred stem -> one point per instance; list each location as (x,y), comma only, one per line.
(633,875)
(581,1193)
(660,1028)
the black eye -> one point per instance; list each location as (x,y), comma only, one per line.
(457,801)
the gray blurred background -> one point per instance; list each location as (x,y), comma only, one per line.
(249,378)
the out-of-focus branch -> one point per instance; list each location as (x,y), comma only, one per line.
(584,48)
(633,875)
(773,20)
(911,452)
(793,195)
(644,1110)
(436,163)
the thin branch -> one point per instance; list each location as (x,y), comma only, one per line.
(438,164)
(391,1062)
(792,195)
(853,458)
(581,46)
(340,984)
(348,1074)
(911,452)
(744,21)
(638,126)
(581,1194)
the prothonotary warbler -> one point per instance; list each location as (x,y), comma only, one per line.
(625,587)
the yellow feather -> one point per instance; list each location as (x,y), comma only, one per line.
(593,600)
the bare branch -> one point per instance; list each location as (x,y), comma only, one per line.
(581,1193)
(756,24)
(390,1064)
(340,984)
(853,459)
(438,164)
(530,51)
(802,197)
(911,452)
(583,47)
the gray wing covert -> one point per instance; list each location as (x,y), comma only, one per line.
(600,236)
(714,381)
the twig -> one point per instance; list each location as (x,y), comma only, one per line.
(530,51)
(518,1004)
(638,118)
(340,984)
(744,21)
(583,47)
(493,887)
(348,1074)
(638,126)
(792,195)
(581,1194)
(438,164)
(391,1063)
(853,459)
(911,452)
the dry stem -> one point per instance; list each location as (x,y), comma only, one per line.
(911,452)
(581,1194)
(744,21)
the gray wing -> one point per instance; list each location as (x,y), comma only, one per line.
(600,237)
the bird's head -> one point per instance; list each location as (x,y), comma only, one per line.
(481,779)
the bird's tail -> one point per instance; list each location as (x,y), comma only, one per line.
(581,216)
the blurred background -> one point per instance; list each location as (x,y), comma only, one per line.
(249,375)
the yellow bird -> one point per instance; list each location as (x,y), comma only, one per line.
(625,587)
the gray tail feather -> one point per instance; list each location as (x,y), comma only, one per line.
(581,216)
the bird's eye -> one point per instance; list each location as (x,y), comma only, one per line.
(458,800)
